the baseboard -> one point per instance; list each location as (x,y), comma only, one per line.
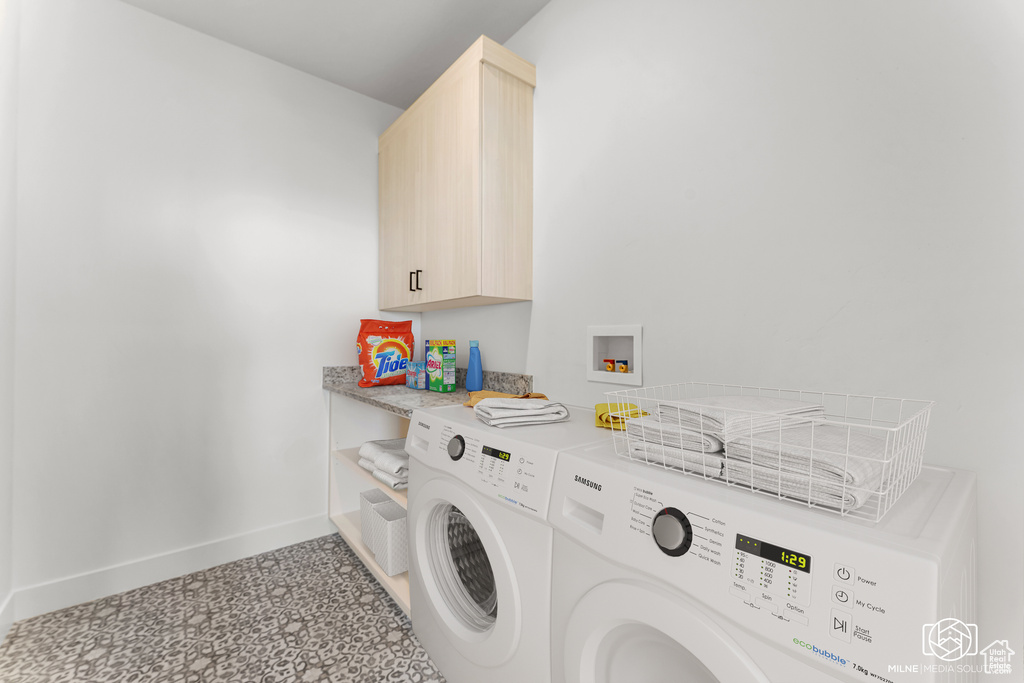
(6,615)
(53,595)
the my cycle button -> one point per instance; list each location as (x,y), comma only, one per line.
(842,596)
(845,574)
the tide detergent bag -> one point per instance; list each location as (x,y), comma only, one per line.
(385,349)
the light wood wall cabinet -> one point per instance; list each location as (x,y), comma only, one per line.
(456,188)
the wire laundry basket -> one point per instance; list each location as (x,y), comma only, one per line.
(847,454)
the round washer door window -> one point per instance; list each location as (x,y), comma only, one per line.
(459,563)
(461,571)
(624,632)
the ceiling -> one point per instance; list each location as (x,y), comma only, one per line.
(390,50)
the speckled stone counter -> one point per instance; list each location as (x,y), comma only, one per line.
(400,400)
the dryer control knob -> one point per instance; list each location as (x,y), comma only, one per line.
(672,532)
(456,447)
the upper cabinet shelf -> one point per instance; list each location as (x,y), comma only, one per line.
(456,188)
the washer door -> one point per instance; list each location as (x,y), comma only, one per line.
(622,632)
(464,571)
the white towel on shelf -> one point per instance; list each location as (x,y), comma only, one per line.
(392,463)
(695,462)
(396,483)
(726,416)
(651,430)
(367,464)
(519,412)
(798,487)
(371,450)
(829,453)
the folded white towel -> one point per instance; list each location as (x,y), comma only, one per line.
(834,453)
(367,464)
(517,412)
(725,416)
(799,487)
(372,449)
(396,483)
(695,462)
(651,430)
(392,463)
(802,488)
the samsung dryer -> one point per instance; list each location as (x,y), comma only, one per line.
(661,577)
(480,543)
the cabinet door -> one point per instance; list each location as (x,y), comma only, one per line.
(507,191)
(401,225)
(450,201)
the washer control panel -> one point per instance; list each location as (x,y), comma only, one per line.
(496,467)
(847,596)
(513,466)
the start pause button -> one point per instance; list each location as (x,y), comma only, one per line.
(841,625)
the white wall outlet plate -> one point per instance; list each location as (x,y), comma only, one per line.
(612,346)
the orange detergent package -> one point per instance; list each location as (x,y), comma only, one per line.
(385,349)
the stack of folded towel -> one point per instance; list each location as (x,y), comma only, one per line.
(768,443)
(652,430)
(519,412)
(728,416)
(832,465)
(387,461)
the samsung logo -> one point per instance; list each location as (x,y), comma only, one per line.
(423,424)
(586,482)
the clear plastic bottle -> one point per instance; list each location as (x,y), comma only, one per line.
(475,373)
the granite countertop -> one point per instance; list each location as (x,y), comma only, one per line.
(401,400)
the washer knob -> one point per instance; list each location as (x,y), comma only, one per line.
(672,532)
(456,447)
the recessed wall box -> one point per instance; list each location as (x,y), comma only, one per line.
(619,342)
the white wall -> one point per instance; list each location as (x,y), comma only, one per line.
(197,238)
(821,195)
(8,218)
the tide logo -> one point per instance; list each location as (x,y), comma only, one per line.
(391,357)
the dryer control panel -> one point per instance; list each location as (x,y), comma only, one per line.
(513,465)
(846,596)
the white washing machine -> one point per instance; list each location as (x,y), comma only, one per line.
(480,544)
(661,577)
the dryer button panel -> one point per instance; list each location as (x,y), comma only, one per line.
(508,471)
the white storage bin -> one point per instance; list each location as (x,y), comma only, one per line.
(368,521)
(392,549)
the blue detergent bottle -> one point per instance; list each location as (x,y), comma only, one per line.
(475,373)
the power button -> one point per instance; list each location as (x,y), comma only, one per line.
(845,574)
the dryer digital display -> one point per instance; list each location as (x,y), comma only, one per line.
(775,553)
(496,453)
(772,568)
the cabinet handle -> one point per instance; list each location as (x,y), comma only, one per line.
(418,288)
(411,289)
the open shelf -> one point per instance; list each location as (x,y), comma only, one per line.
(349,458)
(347,479)
(397,586)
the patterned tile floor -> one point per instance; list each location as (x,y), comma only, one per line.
(310,612)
